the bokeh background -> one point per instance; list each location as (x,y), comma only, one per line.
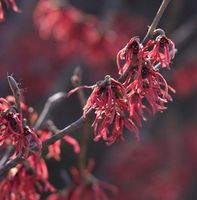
(43,45)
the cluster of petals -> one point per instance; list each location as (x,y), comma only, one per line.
(26,181)
(54,150)
(144,79)
(14,130)
(135,55)
(9,3)
(110,101)
(144,90)
(85,186)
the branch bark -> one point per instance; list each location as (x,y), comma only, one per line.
(156,20)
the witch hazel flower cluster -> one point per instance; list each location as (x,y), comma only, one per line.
(15,131)
(140,91)
(26,181)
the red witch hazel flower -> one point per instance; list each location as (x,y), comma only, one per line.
(15,131)
(85,186)
(132,54)
(111,104)
(156,51)
(144,80)
(112,107)
(161,51)
(8,3)
(153,87)
(26,181)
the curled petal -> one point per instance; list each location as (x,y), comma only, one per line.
(70,140)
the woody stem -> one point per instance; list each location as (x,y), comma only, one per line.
(16,93)
(76,81)
(156,20)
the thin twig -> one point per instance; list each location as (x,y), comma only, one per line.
(156,20)
(76,81)
(8,152)
(16,93)
(51,102)
(69,129)
(51,126)
(10,164)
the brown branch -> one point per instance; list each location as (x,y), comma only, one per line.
(10,164)
(16,93)
(68,129)
(76,81)
(51,102)
(8,152)
(156,20)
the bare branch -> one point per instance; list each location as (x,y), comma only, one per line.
(51,102)
(156,20)
(10,164)
(16,93)
(8,152)
(76,81)
(69,129)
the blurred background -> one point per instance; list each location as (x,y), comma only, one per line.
(43,45)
